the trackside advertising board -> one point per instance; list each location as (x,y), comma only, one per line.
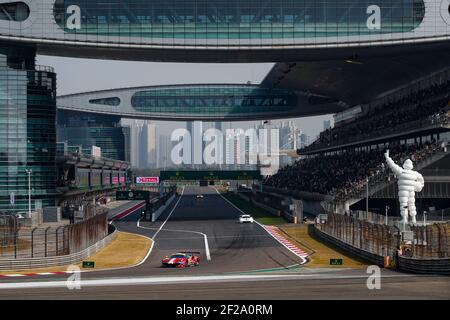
(147,180)
(133,195)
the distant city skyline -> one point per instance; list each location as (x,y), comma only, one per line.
(106,74)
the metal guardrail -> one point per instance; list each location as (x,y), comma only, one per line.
(74,258)
(367,233)
(43,242)
(363,236)
(424,266)
(406,264)
(357,252)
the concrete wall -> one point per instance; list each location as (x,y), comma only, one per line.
(275,212)
(157,213)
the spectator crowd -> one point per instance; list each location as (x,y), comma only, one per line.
(345,172)
(429,106)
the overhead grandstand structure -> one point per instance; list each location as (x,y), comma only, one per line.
(329,57)
(214,30)
(228,102)
(381,67)
(346,163)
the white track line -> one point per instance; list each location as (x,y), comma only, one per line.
(168,217)
(99,270)
(148,252)
(185,279)
(132,209)
(262,226)
(205,237)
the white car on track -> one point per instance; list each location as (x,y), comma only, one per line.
(199,196)
(245,218)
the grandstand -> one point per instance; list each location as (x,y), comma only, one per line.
(427,108)
(346,163)
(82,177)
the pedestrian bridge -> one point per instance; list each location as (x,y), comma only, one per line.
(200,102)
(221,31)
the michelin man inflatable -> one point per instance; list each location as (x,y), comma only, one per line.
(409,182)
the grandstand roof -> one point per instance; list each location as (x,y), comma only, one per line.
(359,79)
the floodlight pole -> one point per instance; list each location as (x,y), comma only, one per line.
(367,196)
(29,171)
(387,208)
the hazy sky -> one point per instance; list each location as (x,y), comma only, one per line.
(81,75)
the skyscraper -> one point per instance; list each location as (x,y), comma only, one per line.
(148,145)
(164,150)
(135,134)
(195,129)
(287,140)
(127,142)
(304,140)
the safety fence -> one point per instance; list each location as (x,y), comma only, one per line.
(8,226)
(346,247)
(46,262)
(375,238)
(428,242)
(19,242)
(431,241)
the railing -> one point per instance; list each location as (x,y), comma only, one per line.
(374,238)
(161,201)
(429,242)
(74,258)
(431,122)
(438,215)
(46,242)
(382,175)
(435,172)
(297,193)
(42,68)
(424,266)
(158,205)
(346,247)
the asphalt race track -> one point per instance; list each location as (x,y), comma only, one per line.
(235,250)
(233,246)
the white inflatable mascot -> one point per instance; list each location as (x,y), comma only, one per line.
(409,182)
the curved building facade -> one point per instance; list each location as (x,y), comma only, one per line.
(163,30)
(200,102)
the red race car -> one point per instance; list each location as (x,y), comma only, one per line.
(181,260)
